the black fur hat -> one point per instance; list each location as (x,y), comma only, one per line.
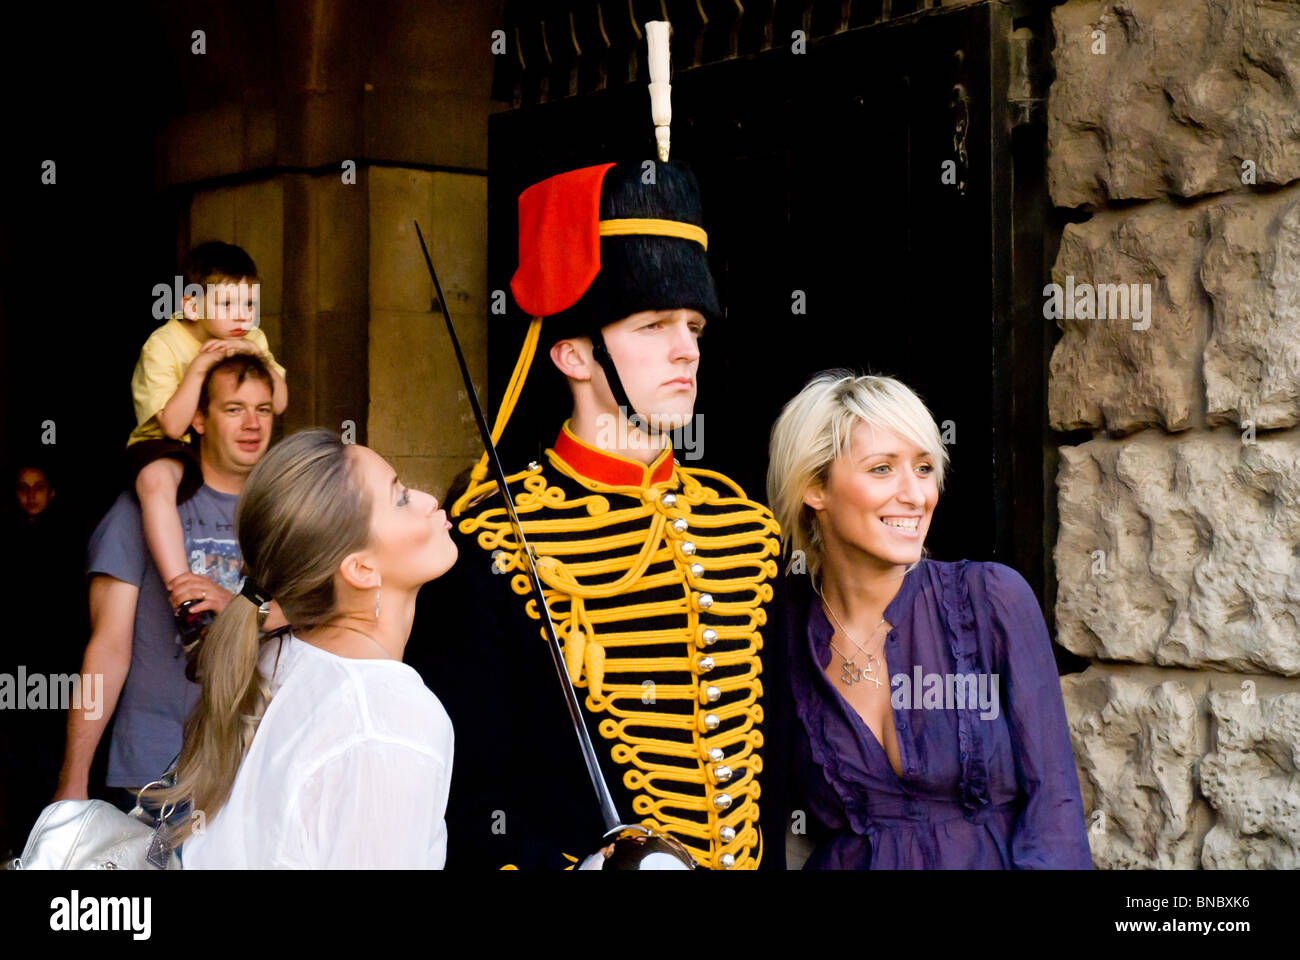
(636,271)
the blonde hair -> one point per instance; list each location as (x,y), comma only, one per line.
(303,509)
(815,429)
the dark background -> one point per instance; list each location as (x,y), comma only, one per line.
(79,257)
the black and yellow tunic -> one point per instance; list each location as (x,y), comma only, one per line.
(657,579)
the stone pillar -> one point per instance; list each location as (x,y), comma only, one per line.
(420,418)
(1174,125)
(312,136)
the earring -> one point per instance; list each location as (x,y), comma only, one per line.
(377,602)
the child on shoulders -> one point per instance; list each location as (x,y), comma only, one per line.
(163,460)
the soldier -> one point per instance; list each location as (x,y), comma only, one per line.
(656,575)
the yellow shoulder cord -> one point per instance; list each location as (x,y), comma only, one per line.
(477,475)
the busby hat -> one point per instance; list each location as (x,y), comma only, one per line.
(602,243)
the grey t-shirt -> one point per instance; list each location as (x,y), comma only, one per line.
(156,698)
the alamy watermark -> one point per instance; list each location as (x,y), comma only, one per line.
(1104,301)
(945,691)
(616,433)
(75,913)
(53,691)
(226,298)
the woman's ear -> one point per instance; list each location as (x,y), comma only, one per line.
(815,496)
(357,571)
(570,361)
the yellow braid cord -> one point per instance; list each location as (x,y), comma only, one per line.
(645,226)
(514,388)
(574,645)
(595,663)
(664,748)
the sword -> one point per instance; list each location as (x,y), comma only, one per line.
(608,812)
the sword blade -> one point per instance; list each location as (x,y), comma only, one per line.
(603,797)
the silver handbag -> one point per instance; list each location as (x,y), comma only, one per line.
(95,835)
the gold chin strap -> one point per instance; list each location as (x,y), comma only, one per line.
(640,226)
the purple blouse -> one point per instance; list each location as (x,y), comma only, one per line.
(988,777)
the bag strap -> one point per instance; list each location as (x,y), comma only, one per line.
(166,781)
(160,847)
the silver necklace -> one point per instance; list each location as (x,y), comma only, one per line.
(387,655)
(850,672)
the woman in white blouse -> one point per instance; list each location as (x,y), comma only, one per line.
(321,749)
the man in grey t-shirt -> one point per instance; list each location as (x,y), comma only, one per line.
(133,641)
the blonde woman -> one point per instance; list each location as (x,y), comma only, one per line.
(931,732)
(321,749)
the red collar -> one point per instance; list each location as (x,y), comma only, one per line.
(609,468)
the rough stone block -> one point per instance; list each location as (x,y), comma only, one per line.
(1105,373)
(1137,745)
(1251,271)
(1182,551)
(1251,781)
(1184,94)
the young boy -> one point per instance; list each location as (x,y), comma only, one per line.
(165,388)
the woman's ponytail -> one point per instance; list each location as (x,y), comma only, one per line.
(302,511)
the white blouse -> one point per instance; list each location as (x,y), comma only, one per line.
(349,768)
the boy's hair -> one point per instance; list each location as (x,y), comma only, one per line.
(215,260)
(243,366)
(814,430)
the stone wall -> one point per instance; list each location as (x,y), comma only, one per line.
(1174,133)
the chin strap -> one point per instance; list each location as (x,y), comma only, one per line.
(601,353)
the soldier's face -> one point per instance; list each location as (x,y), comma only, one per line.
(657,353)
(878,498)
(410,536)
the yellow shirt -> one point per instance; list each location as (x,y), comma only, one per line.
(164,358)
